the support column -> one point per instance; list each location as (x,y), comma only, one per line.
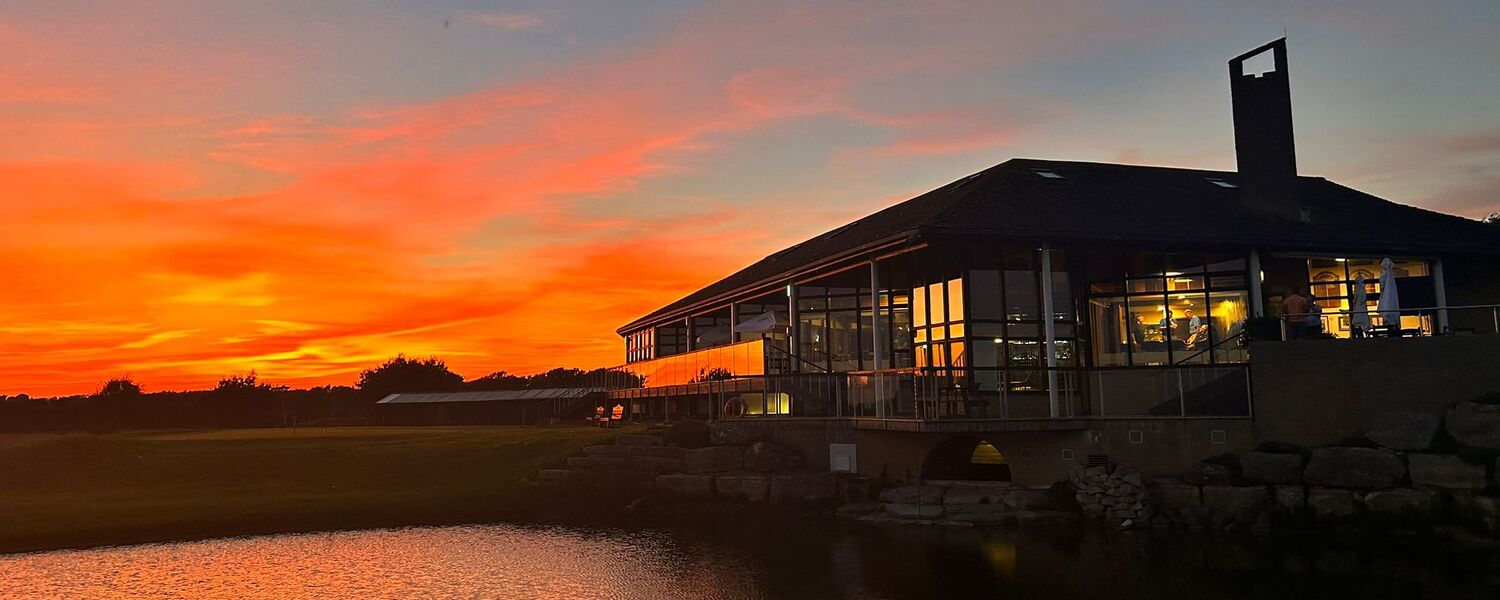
(687,324)
(791,326)
(1441,294)
(875,329)
(1257,298)
(734,321)
(1049,331)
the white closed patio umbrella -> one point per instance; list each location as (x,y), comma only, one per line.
(1389,305)
(1359,309)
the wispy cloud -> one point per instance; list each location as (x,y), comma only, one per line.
(508,21)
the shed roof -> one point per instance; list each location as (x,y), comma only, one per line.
(1125,203)
(490,395)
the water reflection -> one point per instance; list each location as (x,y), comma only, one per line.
(748,559)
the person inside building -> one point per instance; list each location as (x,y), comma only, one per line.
(1137,331)
(1167,324)
(1197,330)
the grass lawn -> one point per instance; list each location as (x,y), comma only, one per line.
(75,490)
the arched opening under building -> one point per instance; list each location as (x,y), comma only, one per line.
(966,458)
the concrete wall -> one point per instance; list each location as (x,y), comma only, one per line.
(1164,446)
(1318,392)
(1472,281)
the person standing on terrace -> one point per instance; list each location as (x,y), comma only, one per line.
(1294,310)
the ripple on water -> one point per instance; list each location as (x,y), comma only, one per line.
(493,561)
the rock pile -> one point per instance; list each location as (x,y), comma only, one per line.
(760,472)
(1414,474)
(1113,493)
(961,504)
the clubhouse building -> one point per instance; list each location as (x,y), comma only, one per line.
(1066,312)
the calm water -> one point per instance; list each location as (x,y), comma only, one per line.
(750,560)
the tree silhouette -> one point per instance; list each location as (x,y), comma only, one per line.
(402,374)
(499,380)
(119,387)
(1493,219)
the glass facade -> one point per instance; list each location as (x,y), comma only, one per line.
(1332,282)
(834,326)
(640,345)
(1169,309)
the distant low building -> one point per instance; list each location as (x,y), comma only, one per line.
(1064,312)
(498,407)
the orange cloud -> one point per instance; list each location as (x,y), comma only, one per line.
(171,229)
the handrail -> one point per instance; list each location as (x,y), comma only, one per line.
(1494,312)
(1398,309)
(1240,337)
(788,353)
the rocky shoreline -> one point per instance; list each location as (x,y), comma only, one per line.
(1409,471)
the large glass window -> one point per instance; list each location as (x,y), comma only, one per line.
(1332,282)
(1177,308)
(639,345)
(1005,328)
(833,330)
(671,339)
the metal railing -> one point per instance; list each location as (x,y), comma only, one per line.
(956,394)
(1471,317)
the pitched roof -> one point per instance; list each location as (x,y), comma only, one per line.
(1128,203)
(489,395)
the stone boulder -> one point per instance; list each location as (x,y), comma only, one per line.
(1403,430)
(686,485)
(654,464)
(795,488)
(735,433)
(976,494)
(993,514)
(689,434)
(1356,468)
(609,450)
(915,511)
(714,459)
(743,486)
(552,474)
(1290,497)
(638,439)
(1265,467)
(1476,425)
(1402,502)
(1175,495)
(657,451)
(770,457)
(1328,503)
(1479,512)
(1446,472)
(1236,501)
(1026,499)
(913,494)
(1044,518)
(855,510)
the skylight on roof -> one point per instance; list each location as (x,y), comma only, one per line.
(1047,173)
(1220,182)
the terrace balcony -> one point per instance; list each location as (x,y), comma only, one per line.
(757,380)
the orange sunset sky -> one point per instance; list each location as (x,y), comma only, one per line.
(191,190)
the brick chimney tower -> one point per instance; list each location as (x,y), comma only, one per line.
(1263,146)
